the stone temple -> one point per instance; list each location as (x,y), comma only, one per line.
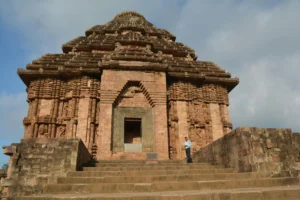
(127,88)
(109,116)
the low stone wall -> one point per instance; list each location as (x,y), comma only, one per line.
(264,150)
(37,162)
(296,149)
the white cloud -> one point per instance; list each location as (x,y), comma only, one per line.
(269,99)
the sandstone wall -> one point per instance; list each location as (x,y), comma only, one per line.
(64,108)
(37,162)
(198,111)
(253,149)
(134,89)
(71,108)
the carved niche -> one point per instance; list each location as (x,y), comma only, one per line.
(132,95)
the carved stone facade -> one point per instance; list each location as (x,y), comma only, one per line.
(199,111)
(56,106)
(123,73)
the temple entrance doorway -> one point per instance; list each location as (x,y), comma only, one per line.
(133,130)
(132,134)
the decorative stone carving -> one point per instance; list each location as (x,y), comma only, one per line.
(54,102)
(131,91)
(189,57)
(62,131)
(65,110)
(160,54)
(199,117)
(148,48)
(173,130)
(43,131)
(133,20)
(118,46)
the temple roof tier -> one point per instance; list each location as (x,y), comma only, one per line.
(128,42)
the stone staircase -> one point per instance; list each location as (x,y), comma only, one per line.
(167,180)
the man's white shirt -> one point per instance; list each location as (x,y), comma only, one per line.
(187,144)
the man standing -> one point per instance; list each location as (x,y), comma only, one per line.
(187,146)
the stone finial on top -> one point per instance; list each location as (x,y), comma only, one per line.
(129,13)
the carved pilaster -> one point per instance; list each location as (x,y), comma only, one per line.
(173,129)
(207,110)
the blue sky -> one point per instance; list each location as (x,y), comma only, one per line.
(257,41)
(12,55)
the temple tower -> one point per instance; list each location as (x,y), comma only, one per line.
(127,89)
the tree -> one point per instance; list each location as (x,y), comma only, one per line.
(5,166)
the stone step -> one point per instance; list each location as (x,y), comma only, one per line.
(147,172)
(155,178)
(94,164)
(166,186)
(125,168)
(137,161)
(150,165)
(273,193)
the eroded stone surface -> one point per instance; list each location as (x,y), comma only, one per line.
(40,161)
(271,151)
(296,150)
(3,187)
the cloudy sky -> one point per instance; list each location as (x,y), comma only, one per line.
(256,40)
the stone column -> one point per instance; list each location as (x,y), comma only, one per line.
(182,127)
(161,131)
(217,125)
(157,91)
(83,114)
(111,85)
(105,132)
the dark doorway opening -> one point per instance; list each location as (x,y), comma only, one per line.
(133,130)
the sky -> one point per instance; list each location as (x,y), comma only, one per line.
(255,40)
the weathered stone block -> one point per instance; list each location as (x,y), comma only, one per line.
(271,151)
(32,169)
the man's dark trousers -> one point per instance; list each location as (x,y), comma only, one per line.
(188,155)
